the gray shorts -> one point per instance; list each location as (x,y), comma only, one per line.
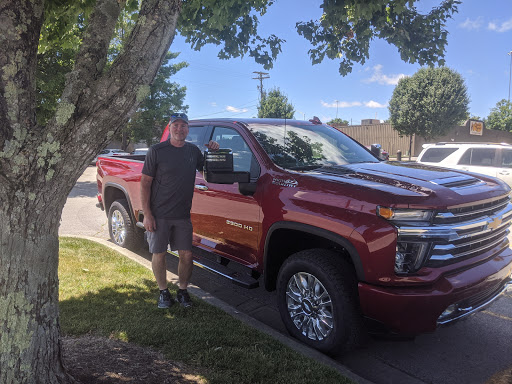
(174,232)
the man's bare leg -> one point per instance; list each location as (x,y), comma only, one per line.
(185,267)
(159,267)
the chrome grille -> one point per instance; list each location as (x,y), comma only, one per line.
(462,233)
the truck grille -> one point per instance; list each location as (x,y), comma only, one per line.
(462,233)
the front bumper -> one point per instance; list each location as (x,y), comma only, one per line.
(414,310)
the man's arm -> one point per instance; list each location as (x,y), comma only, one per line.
(145,197)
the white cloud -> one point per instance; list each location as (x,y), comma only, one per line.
(472,24)
(379,77)
(346,104)
(213,104)
(503,27)
(374,104)
(341,104)
(229,108)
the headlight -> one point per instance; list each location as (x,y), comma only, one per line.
(414,217)
(410,256)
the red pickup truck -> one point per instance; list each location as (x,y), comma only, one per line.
(350,242)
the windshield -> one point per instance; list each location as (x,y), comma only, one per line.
(306,146)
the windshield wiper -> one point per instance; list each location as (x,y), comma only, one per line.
(305,167)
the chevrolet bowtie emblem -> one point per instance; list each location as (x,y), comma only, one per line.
(495,223)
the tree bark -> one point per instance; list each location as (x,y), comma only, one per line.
(40,165)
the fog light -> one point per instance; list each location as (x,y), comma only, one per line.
(449,311)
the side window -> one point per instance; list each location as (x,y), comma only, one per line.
(466,157)
(243,158)
(196,136)
(435,155)
(506,159)
(479,156)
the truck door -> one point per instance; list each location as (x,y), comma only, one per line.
(223,218)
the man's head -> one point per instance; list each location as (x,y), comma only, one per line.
(179,127)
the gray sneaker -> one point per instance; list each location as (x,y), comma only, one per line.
(165,300)
(183,298)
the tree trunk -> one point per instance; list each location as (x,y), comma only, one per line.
(40,165)
(410,147)
(29,330)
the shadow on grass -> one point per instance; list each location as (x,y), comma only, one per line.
(201,336)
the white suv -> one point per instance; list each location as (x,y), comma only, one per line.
(485,158)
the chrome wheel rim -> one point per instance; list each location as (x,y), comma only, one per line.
(118,227)
(310,306)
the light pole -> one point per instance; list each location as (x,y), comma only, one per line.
(509,74)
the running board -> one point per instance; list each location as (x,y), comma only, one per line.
(237,278)
(202,261)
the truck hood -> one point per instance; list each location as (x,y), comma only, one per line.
(418,183)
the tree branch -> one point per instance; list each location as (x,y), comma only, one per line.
(97,104)
(19,31)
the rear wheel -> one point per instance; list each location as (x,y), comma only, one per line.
(317,299)
(121,228)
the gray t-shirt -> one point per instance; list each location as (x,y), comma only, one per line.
(174,171)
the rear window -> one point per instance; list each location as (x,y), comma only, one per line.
(435,155)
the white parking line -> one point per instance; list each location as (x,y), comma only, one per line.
(497,315)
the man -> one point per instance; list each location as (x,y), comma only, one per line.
(166,190)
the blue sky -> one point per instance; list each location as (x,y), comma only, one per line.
(480,36)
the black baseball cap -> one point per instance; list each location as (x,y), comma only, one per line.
(179,116)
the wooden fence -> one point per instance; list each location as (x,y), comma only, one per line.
(385,135)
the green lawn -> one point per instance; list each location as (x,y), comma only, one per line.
(106,294)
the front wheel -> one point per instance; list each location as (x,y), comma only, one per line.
(120,225)
(317,300)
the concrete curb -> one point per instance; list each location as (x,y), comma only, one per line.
(199,293)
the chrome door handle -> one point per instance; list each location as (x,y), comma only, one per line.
(201,187)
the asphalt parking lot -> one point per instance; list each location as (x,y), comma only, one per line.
(470,351)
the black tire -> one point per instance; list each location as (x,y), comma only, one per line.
(332,326)
(121,228)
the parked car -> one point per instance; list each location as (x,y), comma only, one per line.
(486,158)
(110,152)
(140,151)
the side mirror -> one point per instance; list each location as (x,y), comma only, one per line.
(218,168)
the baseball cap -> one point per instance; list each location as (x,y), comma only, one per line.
(179,116)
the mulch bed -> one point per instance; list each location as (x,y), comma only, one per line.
(98,360)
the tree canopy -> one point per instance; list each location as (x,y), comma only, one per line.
(500,117)
(275,105)
(346,29)
(337,121)
(428,103)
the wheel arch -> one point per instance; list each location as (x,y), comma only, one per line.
(286,238)
(113,192)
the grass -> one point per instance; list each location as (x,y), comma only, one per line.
(105,294)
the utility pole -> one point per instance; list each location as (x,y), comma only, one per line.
(261,76)
(336,108)
(509,74)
